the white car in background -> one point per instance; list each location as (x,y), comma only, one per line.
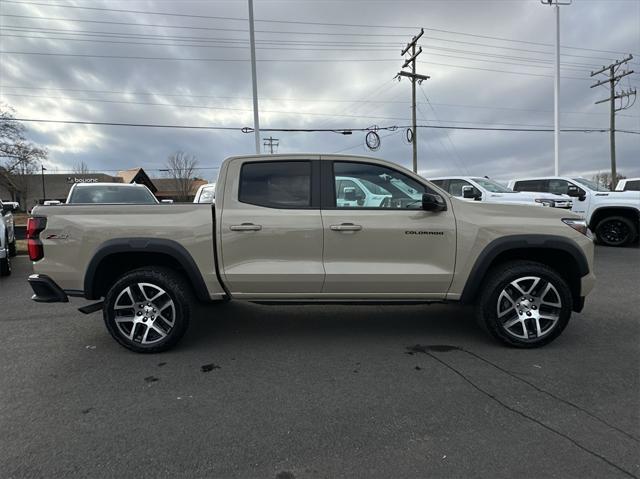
(206,194)
(7,238)
(614,216)
(628,184)
(485,189)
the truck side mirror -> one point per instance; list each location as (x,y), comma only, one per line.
(350,194)
(471,193)
(433,202)
(573,191)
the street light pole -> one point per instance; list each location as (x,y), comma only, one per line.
(44,194)
(556,87)
(254,80)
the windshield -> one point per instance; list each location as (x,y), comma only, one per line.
(491,185)
(207,195)
(112,195)
(591,184)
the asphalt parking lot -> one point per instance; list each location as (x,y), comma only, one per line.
(330,391)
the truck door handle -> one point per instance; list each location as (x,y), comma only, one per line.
(245,227)
(346,227)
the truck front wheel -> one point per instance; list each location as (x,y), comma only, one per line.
(616,231)
(524,304)
(148,309)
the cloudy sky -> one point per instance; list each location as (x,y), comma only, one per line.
(321,64)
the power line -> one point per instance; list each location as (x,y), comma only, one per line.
(295,42)
(569,66)
(246,110)
(280,60)
(316,130)
(299,22)
(530,62)
(285,99)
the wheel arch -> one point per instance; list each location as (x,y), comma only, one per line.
(550,250)
(603,212)
(115,257)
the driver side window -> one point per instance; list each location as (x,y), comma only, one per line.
(362,185)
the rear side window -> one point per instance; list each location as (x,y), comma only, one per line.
(632,185)
(276,184)
(530,185)
(112,195)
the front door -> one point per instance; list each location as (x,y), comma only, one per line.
(272,229)
(392,250)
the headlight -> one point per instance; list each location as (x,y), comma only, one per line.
(579,225)
(545,202)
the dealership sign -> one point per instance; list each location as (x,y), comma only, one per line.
(74,179)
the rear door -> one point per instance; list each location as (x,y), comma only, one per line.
(394,250)
(271,228)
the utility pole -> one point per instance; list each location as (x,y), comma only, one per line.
(44,194)
(254,80)
(271,143)
(414,77)
(614,78)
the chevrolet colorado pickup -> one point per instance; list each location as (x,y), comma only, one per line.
(278,234)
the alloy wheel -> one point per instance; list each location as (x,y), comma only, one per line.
(614,232)
(529,308)
(144,313)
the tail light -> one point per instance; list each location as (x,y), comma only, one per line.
(34,245)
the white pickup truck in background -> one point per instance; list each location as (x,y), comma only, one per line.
(628,184)
(614,216)
(485,189)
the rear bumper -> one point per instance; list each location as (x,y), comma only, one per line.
(46,290)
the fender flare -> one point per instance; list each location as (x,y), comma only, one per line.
(501,245)
(145,245)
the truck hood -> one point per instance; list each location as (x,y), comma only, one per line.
(516,212)
(527,196)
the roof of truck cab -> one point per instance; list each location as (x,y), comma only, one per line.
(551,177)
(297,156)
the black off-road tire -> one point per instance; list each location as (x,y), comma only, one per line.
(12,248)
(176,289)
(502,277)
(616,231)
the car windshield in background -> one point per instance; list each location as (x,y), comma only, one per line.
(112,195)
(591,185)
(492,186)
(207,195)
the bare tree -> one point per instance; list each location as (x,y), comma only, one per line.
(604,179)
(81,168)
(18,156)
(180,167)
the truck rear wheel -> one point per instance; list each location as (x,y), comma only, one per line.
(148,310)
(524,304)
(616,231)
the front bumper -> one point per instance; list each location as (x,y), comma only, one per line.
(46,290)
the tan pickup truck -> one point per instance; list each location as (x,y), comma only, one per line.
(296,228)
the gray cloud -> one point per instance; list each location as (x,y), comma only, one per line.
(465,96)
